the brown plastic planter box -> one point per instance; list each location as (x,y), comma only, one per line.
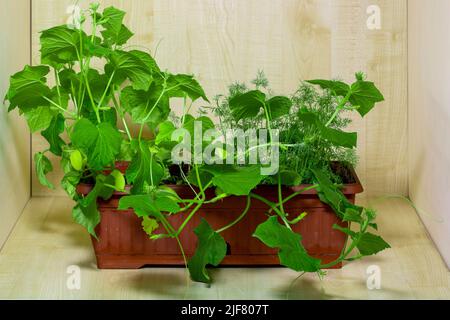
(124,245)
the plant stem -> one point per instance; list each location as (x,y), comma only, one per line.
(241,216)
(273,206)
(57,86)
(345,253)
(106,90)
(59,107)
(185,222)
(152,109)
(197,174)
(184,259)
(280,196)
(290,197)
(122,116)
(339,107)
(213,200)
(91,97)
(266,113)
(84,76)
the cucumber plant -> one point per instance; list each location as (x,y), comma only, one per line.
(86,114)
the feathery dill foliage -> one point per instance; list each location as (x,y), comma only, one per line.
(311,151)
(307,149)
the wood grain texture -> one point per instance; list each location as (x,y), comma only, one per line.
(34,261)
(429,117)
(14,137)
(224,41)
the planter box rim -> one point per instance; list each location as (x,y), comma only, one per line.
(348,189)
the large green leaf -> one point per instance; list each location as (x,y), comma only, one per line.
(250,104)
(335,136)
(189,124)
(148,61)
(165,131)
(291,252)
(68,78)
(129,65)
(43,167)
(287,178)
(233,180)
(365,95)
(167,204)
(151,107)
(69,183)
(361,94)
(87,216)
(85,212)
(53,132)
(370,244)
(144,170)
(142,205)
(339,88)
(112,19)
(101,143)
(181,85)
(103,188)
(59,45)
(247,105)
(211,249)
(149,205)
(97,84)
(278,106)
(40,118)
(330,194)
(149,225)
(204,176)
(28,88)
(115,32)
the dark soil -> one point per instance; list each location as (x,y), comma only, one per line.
(339,169)
(343,172)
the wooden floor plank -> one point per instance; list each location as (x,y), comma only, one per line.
(34,261)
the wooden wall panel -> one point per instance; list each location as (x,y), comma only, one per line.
(429,117)
(14,135)
(222,41)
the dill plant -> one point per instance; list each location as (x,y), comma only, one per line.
(307,149)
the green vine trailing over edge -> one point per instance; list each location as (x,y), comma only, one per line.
(85,117)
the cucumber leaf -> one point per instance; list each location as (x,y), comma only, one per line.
(59,45)
(337,137)
(101,143)
(146,106)
(28,88)
(115,32)
(52,134)
(235,180)
(129,65)
(43,167)
(365,94)
(211,249)
(182,85)
(144,170)
(39,118)
(247,105)
(291,252)
(370,244)
(278,106)
(85,212)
